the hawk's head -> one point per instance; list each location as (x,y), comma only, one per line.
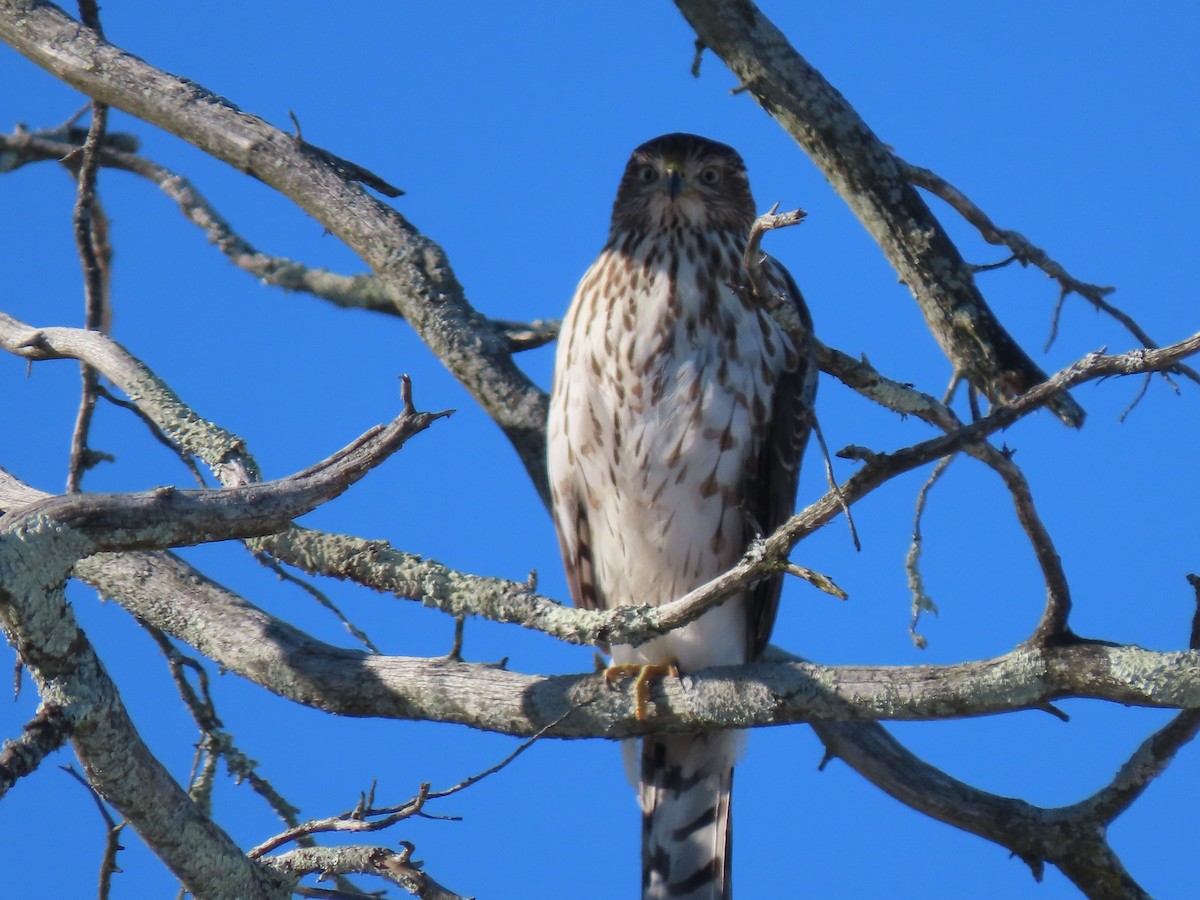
(684,180)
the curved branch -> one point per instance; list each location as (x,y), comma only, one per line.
(223,451)
(428,294)
(1027,253)
(873,183)
(1071,840)
(1024,250)
(119,151)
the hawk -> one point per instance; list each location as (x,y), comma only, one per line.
(679,414)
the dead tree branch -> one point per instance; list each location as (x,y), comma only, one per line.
(872,181)
(429,296)
(347,291)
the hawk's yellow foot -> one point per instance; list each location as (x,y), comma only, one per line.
(642,674)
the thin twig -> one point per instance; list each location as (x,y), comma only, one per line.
(186,458)
(831,479)
(1194,637)
(313,591)
(456,646)
(525,745)
(215,742)
(358,818)
(819,580)
(90,229)
(921,601)
(112,835)
(698,58)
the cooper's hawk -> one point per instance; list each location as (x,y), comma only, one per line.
(678,418)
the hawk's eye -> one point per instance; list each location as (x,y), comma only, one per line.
(710,175)
(647,173)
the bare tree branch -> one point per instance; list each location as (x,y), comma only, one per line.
(1024,250)
(112,835)
(42,537)
(38,621)
(169,594)
(429,295)
(243,639)
(366,291)
(95,254)
(1071,840)
(622,624)
(872,181)
(1027,253)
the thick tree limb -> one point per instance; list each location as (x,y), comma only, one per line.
(235,635)
(873,183)
(38,621)
(428,294)
(243,639)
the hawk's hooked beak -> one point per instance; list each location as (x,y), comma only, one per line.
(675,182)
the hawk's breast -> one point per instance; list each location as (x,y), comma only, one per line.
(662,399)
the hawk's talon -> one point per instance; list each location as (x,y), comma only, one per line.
(642,675)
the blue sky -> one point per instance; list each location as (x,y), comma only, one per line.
(508,128)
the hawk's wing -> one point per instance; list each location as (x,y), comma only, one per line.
(568,500)
(575,542)
(769,493)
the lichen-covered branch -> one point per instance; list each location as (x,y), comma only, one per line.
(222,451)
(166,592)
(395,866)
(34,561)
